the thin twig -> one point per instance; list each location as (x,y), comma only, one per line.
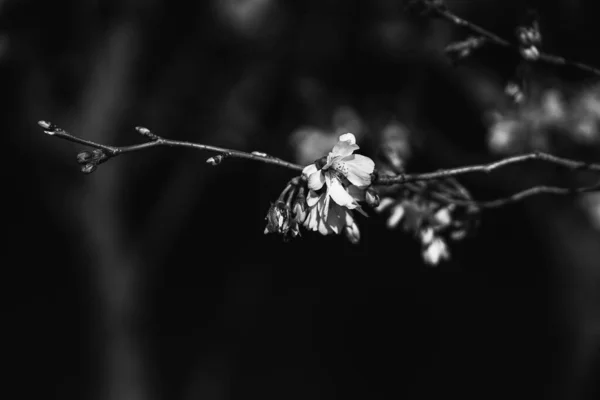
(519,196)
(113,151)
(448,15)
(486,168)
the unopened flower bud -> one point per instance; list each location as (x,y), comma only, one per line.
(84,157)
(99,156)
(299,211)
(278,218)
(216,160)
(372,198)
(142,130)
(146,132)
(88,168)
(49,127)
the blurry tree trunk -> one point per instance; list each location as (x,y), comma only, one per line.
(573,243)
(116,276)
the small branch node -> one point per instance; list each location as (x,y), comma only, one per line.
(88,168)
(147,133)
(216,160)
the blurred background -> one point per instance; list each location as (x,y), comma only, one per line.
(151,278)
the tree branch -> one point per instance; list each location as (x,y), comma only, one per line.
(91,160)
(516,197)
(113,151)
(438,9)
(486,168)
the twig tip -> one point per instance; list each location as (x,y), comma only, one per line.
(146,132)
(48,127)
(142,130)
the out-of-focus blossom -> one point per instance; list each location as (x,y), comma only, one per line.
(431,224)
(442,217)
(544,120)
(395,145)
(586,117)
(434,247)
(395,216)
(247,17)
(346,119)
(435,251)
(311,142)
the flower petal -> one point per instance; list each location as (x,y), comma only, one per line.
(312,198)
(309,170)
(341,149)
(325,207)
(336,219)
(316,181)
(340,195)
(347,137)
(349,219)
(358,194)
(359,169)
(312,221)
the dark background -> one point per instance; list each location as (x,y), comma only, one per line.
(151,278)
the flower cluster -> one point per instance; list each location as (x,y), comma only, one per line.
(432,224)
(342,177)
(336,184)
(545,120)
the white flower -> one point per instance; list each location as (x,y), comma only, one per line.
(341,163)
